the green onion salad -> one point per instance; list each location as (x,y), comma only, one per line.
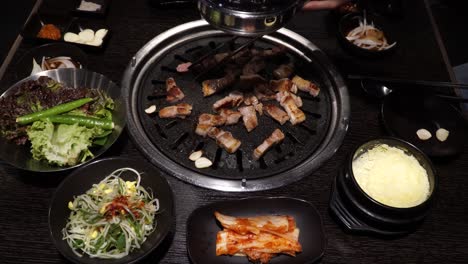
(112,218)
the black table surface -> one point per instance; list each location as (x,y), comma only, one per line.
(442,238)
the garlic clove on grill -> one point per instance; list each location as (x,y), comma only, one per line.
(150,109)
(202,163)
(195,155)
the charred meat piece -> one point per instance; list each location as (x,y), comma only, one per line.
(306,86)
(269,53)
(232,117)
(283,85)
(254,66)
(232,100)
(295,114)
(209,62)
(253,100)
(297,99)
(249,116)
(212,120)
(264,93)
(174,93)
(224,139)
(284,71)
(246,82)
(202,130)
(276,137)
(210,87)
(180,110)
(276,113)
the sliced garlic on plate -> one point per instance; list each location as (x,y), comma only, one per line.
(86,35)
(101,33)
(71,37)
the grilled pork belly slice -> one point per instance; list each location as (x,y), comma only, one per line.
(275,138)
(202,130)
(210,87)
(211,120)
(306,86)
(276,113)
(255,65)
(224,139)
(251,99)
(284,71)
(283,85)
(232,100)
(264,93)
(232,117)
(180,110)
(247,82)
(249,116)
(268,53)
(173,92)
(295,114)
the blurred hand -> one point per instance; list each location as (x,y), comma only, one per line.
(324,4)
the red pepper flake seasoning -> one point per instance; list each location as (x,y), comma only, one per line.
(121,206)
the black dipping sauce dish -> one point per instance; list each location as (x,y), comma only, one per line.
(351,21)
(360,213)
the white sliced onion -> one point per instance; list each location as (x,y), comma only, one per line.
(36,67)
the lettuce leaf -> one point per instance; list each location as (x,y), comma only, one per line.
(64,145)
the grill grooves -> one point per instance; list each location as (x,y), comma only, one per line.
(301,140)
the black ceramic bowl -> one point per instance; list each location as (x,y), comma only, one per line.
(82,180)
(25,64)
(351,21)
(357,211)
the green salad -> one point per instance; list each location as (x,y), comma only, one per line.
(60,123)
(112,218)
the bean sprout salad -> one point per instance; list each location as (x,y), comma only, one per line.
(112,218)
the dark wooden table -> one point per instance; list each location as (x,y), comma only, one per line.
(442,238)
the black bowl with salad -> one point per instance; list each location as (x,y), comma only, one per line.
(59,119)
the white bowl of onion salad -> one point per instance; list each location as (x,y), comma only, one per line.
(114,210)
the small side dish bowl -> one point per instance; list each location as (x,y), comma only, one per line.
(82,180)
(24,66)
(21,157)
(358,210)
(33,26)
(351,21)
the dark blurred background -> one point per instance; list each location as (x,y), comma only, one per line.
(450,16)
